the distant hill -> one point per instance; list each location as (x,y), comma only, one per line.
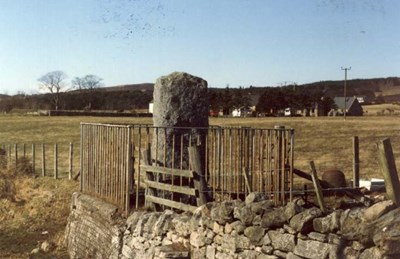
(129,87)
(384,89)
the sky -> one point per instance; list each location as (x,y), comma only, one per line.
(226,42)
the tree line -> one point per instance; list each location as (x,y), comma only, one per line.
(270,100)
(81,93)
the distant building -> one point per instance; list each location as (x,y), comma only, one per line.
(353,106)
(242,112)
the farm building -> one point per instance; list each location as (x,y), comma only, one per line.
(353,107)
(242,112)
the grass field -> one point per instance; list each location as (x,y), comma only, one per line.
(326,140)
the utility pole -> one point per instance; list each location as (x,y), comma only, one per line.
(345,85)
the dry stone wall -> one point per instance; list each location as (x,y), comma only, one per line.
(235,229)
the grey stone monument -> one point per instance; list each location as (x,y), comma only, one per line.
(180,114)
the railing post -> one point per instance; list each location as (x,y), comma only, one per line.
(43,160)
(55,161)
(16,155)
(199,179)
(356,162)
(33,158)
(317,187)
(388,166)
(71,155)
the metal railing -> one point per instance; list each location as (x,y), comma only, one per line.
(236,160)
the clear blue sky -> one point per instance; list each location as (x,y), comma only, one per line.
(235,42)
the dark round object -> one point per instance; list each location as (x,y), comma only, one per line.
(334,178)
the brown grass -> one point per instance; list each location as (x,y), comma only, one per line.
(37,214)
(382,109)
(326,140)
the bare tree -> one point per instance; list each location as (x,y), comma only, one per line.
(53,82)
(88,83)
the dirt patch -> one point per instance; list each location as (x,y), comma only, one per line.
(32,211)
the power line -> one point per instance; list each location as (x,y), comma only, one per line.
(345,86)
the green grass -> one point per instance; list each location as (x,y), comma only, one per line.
(326,140)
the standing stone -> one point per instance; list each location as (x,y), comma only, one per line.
(180,100)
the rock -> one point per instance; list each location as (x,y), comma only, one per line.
(35,251)
(163,223)
(248,254)
(389,242)
(266,240)
(203,210)
(267,249)
(254,197)
(255,234)
(197,239)
(317,236)
(264,256)
(291,255)
(218,229)
(328,224)
(210,252)
(291,209)
(312,249)
(280,254)
(182,225)
(180,100)
(378,209)
(273,219)
(223,213)
(244,214)
(47,246)
(236,226)
(198,253)
(257,221)
(335,239)
(386,227)
(242,242)
(289,229)
(350,253)
(262,206)
(283,242)
(357,246)
(303,222)
(371,253)
(171,251)
(229,243)
(352,226)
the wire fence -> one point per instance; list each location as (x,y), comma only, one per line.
(58,160)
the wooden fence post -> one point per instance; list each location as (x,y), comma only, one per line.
(388,165)
(149,176)
(9,157)
(16,155)
(356,162)
(71,155)
(55,161)
(43,160)
(199,179)
(33,158)
(317,187)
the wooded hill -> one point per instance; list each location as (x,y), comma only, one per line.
(137,96)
